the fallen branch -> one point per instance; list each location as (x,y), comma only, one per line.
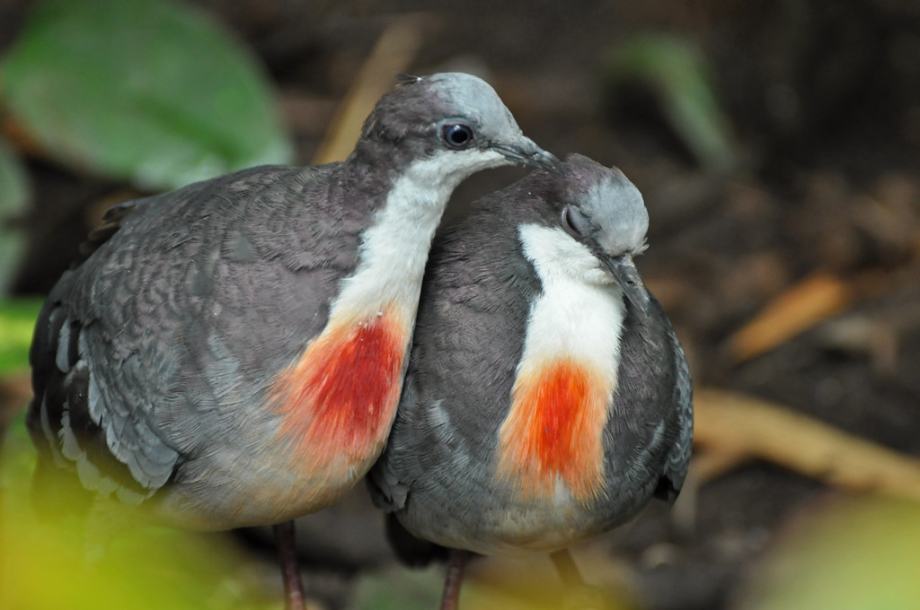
(807,303)
(392,54)
(15,393)
(706,466)
(743,427)
(20,138)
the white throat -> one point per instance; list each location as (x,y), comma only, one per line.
(394,249)
(580,313)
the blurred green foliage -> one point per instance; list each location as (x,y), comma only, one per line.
(144,567)
(14,195)
(404,589)
(858,555)
(17,321)
(399,590)
(151,91)
(536,593)
(678,76)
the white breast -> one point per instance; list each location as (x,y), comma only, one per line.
(394,248)
(580,312)
(579,316)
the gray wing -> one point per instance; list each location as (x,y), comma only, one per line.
(678,459)
(67,417)
(185,304)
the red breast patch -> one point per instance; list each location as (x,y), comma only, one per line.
(554,430)
(341,394)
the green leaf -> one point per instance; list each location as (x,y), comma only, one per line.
(14,196)
(530,585)
(856,555)
(137,564)
(17,321)
(17,460)
(399,589)
(148,90)
(678,76)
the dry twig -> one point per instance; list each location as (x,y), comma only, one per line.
(807,303)
(737,425)
(19,137)
(392,54)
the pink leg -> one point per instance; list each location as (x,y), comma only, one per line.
(453,580)
(290,572)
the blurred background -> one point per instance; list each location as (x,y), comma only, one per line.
(777,145)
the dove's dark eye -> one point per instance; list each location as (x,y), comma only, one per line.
(457,135)
(566,222)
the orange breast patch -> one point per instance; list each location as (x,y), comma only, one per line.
(338,398)
(554,430)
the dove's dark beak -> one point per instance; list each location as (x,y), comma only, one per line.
(627,276)
(526,152)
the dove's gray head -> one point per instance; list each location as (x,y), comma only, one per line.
(456,121)
(602,208)
(597,225)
